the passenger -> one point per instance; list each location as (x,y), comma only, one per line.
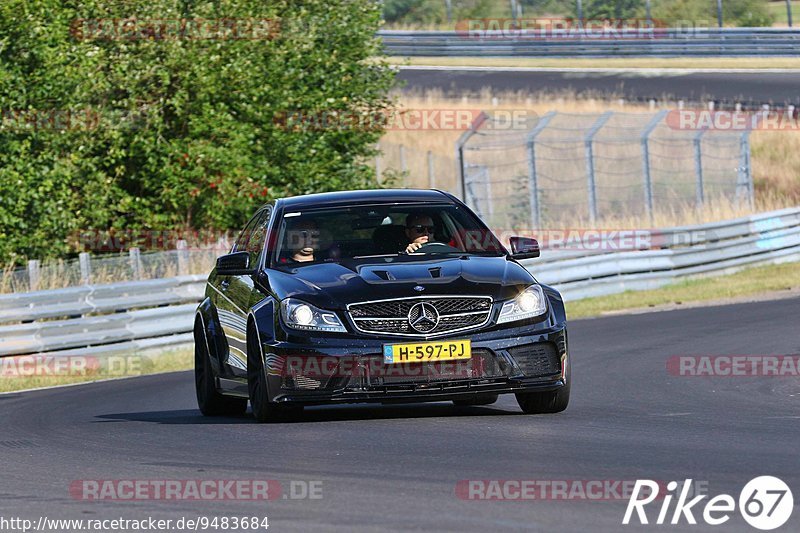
(303,239)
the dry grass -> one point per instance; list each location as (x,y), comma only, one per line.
(773,279)
(775,155)
(111,366)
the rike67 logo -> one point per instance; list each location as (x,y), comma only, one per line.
(765,503)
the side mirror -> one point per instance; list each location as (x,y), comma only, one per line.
(235,264)
(524,248)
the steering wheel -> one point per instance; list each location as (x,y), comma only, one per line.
(436,248)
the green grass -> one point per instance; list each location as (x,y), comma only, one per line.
(778,11)
(14,372)
(749,282)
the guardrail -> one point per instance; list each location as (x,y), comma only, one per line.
(706,249)
(105,318)
(156,313)
(664,42)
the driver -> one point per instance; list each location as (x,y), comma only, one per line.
(419,230)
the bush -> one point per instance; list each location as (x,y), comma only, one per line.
(180,133)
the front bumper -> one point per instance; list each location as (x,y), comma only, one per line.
(510,360)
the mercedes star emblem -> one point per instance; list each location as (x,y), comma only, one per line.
(423,317)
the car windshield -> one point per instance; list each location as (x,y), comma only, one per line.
(360,232)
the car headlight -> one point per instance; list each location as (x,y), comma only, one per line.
(529,304)
(301,315)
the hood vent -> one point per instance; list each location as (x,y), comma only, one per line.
(436,272)
(384,275)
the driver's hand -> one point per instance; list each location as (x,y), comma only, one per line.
(413,247)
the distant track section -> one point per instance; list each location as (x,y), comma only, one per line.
(658,42)
(749,88)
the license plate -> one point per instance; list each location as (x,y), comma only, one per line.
(426,351)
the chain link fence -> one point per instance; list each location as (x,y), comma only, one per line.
(589,168)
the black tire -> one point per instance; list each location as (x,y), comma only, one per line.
(209,400)
(263,409)
(544,402)
(484,398)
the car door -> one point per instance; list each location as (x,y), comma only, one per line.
(238,294)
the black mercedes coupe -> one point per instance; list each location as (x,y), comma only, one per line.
(376,296)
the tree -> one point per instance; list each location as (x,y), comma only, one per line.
(184,127)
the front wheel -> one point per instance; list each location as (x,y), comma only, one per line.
(209,400)
(263,409)
(544,402)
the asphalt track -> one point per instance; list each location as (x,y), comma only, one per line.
(396,467)
(749,88)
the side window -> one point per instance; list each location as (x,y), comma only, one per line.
(258,236)
(241,242)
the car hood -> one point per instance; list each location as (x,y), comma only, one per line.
(334,285)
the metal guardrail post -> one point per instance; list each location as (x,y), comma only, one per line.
(183,257)
(533,184)
(135,263)
(789,12)
(698,168)
(588,140)
(33,274)
(648,182)
(461,173)
(85,263)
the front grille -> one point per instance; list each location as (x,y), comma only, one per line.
(451,314)
(537,359)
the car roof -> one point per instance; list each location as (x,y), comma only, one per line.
(370,196)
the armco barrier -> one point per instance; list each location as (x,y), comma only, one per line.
(121,316)
(714,248)
(698,42)
(146,314)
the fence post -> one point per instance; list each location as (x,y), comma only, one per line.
(588,140)
(183,257)
(378,163)
(745,177)
(431,175)
(698,168)
(86,268)
(135,263)
(533,183)
(33,274)
(460,143)
(648,181)
(403,162)
(789,12)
